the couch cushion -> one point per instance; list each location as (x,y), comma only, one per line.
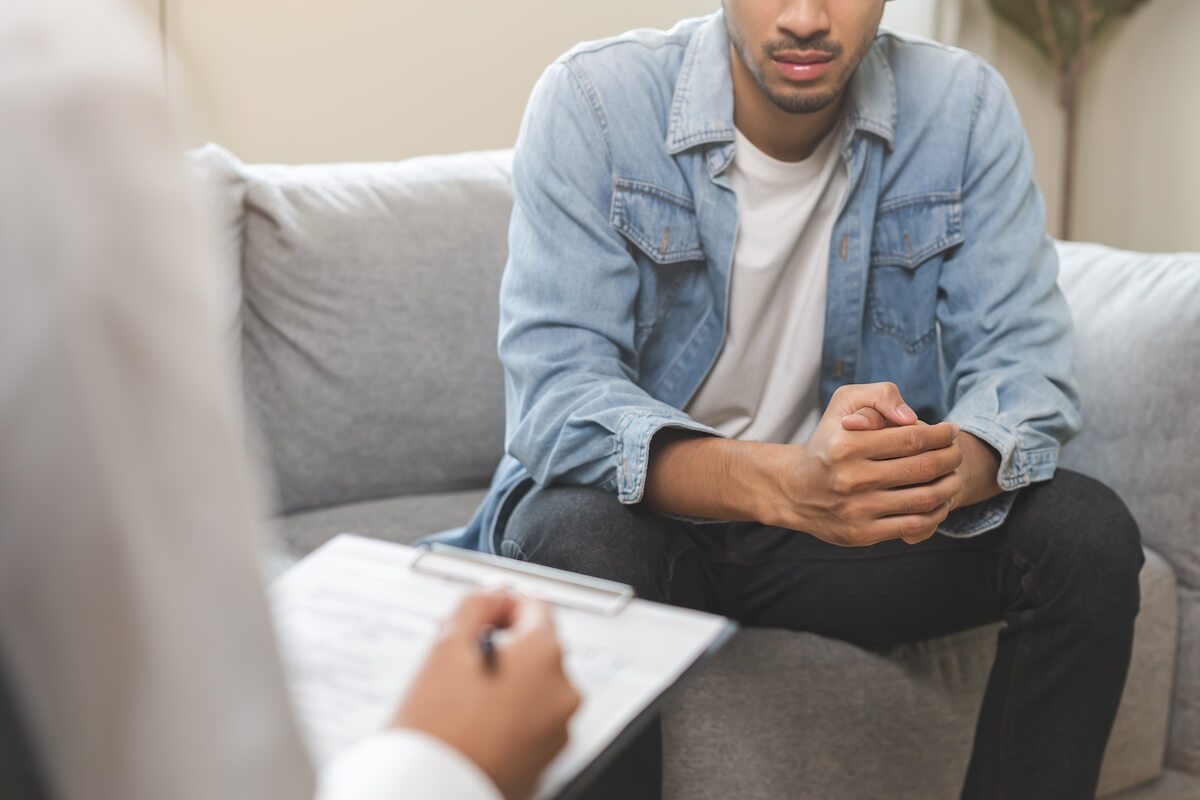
(369,324)
(1173,784)
(396,519)
(802,713)
(1137,320)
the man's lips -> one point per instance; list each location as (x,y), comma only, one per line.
(802,65)
(802,56)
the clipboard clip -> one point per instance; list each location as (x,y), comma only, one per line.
(557,586)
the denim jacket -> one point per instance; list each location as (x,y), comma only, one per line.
(613,302)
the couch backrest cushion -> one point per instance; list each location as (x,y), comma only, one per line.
(369,324)
(1137,356)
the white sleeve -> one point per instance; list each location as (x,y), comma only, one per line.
(404,764)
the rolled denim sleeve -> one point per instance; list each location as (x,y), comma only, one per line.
(1006,328)
(574,411)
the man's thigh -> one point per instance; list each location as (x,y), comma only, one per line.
(590,531)
(1070,531)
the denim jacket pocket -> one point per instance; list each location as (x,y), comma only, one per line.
(664,241)
(657,221)
(908,243)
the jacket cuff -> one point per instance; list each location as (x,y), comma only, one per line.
(973,520)
(1019,466)
(634,434)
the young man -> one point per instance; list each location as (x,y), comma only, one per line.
(137,658)
(777,269)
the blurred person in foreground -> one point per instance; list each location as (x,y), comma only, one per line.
(137,657)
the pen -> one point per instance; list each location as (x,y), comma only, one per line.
(487,648)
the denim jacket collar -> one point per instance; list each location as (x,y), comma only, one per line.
(702,106)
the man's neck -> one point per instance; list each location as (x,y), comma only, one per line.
(783,136)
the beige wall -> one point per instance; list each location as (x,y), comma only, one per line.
(1138,183)
(279,80)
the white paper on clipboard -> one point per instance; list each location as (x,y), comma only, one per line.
(356,617)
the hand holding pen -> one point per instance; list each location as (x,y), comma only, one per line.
(503,702)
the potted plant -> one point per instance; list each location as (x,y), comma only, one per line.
(1063,32)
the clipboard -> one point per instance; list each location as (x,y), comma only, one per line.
(555,586)
(357,615)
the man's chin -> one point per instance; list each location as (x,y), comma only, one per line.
(802,101)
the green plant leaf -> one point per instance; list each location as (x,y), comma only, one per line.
(1022,15)
(1069,26)
(1069,31)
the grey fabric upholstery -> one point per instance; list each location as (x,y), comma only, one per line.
(1137,323)
(396,519)
(810,717)
(369,361)
(369,325)
(1173,784)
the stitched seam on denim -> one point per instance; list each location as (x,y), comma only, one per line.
(869,126)
(601,46)
(491,530)
(656,190)
(1007,720)
(622,477)
(989,437)
(924,198)
(589,92)
(943,242)
(1040,455)
(687,346)
(679,97)
(881,129)
(1007,723)
(980,526)
(980,97)
(882,325)
(640,456)
(667,297)
(650,249)
(706,136)
(952,236)
(618,220)
(896,36)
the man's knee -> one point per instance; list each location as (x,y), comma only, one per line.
(589,531)
(1098,544)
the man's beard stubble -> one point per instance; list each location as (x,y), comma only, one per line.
(798,102)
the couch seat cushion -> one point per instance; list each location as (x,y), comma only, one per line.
(398,519)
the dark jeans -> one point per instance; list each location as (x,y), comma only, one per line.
(1062,572)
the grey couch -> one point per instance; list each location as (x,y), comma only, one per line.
(362,298)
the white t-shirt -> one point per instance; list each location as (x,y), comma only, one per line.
(765,383)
